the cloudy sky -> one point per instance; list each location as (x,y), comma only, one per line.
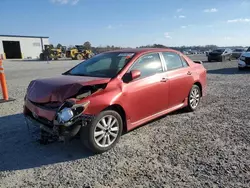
(130,22)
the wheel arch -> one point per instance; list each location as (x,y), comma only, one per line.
(200,86)
(119,109)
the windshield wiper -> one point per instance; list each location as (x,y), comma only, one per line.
(68,73)
(79,75)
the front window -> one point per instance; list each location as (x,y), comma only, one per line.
(148,65)
(248,50)
(105,65)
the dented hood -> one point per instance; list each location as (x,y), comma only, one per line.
(58,89)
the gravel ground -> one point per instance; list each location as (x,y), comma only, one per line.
(206,148)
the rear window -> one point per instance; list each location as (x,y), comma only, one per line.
(173,61)
(238,50)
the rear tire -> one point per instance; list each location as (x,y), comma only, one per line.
(194,98)
(100,138)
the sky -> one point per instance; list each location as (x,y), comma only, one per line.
(129,23)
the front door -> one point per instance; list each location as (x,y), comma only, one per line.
(148,94)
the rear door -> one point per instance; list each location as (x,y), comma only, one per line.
(179,76)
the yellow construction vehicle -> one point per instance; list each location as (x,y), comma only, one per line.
(79,53)
(61,51)
(49,53)
(71,53)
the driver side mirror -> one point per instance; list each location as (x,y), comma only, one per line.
(132,75)
(135,74)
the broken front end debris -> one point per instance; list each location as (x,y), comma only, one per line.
(57,123)
(59,109)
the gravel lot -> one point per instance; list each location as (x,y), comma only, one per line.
(207,148)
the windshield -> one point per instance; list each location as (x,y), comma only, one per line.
(103,65)
(238,50)
(219,50)
(248,50)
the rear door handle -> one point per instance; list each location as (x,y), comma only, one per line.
(164,79)
(189,73)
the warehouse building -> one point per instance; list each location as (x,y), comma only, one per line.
(21,47)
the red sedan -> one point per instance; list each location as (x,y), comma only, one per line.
(114,92)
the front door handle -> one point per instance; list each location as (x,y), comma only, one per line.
(164,79)
(189,73)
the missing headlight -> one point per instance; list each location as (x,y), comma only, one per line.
(78,110)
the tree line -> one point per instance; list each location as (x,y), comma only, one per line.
(99,49)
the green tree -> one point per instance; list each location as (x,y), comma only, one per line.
(58,46)
(87,45)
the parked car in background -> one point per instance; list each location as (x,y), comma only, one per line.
(207,52)
(193,52)
(114,92)
(220,54)
(244,60)
(237,53)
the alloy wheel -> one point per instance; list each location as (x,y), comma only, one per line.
(106,131)
(194,98)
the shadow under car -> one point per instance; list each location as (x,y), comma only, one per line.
(20,149)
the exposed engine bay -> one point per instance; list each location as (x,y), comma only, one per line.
(86,91)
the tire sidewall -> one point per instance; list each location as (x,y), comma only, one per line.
(87,134)
(79,57)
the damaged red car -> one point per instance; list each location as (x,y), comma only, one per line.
(114,92)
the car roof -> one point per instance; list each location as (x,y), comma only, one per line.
(220,49)
(143,50)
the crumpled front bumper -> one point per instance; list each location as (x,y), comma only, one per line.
(46,120)
(51,130)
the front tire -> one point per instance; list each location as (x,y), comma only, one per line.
(79,57)
(194,98)
(103,133)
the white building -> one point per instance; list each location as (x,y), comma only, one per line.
(21,47)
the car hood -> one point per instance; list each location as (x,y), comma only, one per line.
(58,89)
